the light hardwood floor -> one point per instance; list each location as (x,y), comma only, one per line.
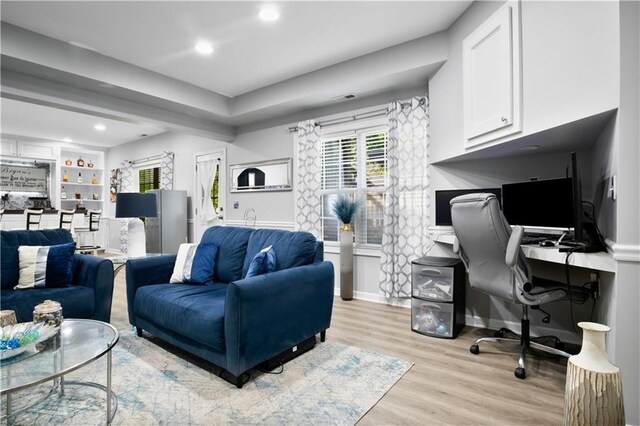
(447,384)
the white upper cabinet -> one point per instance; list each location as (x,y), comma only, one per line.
(8,148)
(42,150)
(491,78)
(28,149)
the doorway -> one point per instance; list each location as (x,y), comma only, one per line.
(210,192)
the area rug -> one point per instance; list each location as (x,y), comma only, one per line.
(331,384)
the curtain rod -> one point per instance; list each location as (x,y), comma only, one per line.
(142,160)
(355,117)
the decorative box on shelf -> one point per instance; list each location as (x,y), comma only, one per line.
(437,296)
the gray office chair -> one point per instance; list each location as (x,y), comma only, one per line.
(496,265)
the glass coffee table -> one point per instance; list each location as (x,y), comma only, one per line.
(120,261)
(78,343)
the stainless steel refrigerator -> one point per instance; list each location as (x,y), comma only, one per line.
(166,232)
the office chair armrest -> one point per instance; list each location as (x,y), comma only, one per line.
(458,250)
(513,246)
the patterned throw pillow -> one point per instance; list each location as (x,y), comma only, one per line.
(195,264)
(45,266)
(263,262)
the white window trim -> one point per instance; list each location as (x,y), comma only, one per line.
(371,126)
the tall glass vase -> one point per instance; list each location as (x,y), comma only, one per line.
(593,392)
(346,262)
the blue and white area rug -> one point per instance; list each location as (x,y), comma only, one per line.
(331,384)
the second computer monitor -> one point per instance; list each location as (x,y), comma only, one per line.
(541,203)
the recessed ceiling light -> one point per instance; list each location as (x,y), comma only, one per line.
(100,127)
(204,48)
(529,147)
(68,140)
(269,14)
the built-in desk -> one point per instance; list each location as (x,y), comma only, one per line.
(596,261)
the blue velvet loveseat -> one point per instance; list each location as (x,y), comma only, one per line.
(237,322)
(88,296)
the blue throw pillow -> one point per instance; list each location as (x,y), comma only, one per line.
(195,264)
(263,262)
(45,266)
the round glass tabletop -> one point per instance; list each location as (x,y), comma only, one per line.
(78,343)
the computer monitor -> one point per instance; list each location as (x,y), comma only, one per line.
(545,203)
(444,197)
(578,234)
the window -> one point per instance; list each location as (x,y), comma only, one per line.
(148,179)
(355,164)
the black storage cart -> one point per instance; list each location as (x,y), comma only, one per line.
(437,296)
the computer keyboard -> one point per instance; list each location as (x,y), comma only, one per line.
(538,238)
(530,239)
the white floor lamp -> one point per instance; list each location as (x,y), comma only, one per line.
(135,205)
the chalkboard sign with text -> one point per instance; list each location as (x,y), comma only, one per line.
(23,179)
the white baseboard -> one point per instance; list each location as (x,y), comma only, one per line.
(377,298)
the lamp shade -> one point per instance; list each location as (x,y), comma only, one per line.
(135,204)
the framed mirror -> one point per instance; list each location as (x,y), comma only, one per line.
(272,175)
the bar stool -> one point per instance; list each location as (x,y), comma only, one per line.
(33,219)
(66,219)
(92,229)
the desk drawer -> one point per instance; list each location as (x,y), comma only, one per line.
(432,319)
(432,283)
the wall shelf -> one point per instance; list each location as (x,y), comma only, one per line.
(86,189)
(91,169)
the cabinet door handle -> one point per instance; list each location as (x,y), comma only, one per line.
(431,271)
(504,119)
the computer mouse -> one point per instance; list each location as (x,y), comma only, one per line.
(547,243)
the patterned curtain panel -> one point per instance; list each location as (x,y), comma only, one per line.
(126,185)
(166,170)
(308,201)
(406,211)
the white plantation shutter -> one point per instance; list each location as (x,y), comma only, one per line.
(376,159)
(340,163)
(369,230)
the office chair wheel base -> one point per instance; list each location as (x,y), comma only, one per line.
(520,373)
(474,349)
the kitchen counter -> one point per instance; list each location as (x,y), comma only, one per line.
(19,211)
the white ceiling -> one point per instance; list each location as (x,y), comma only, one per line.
(41,122)
(249,54)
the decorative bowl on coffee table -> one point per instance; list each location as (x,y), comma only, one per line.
(17,338)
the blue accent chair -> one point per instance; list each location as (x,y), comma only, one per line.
(237,323)
(89,296)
